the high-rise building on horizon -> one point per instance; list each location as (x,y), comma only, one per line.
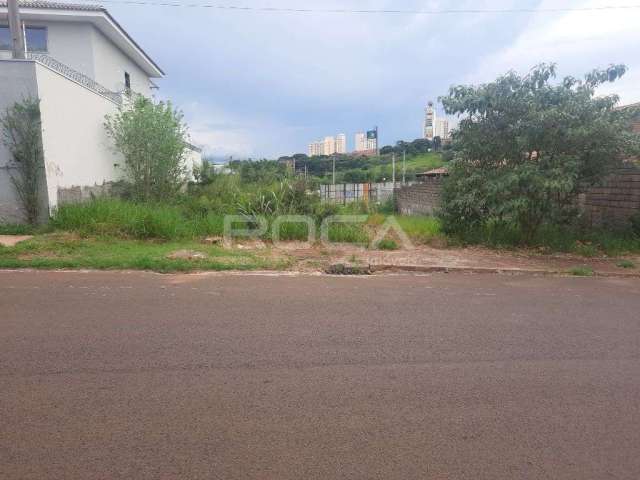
(429,124)
(341,143)
(442,128)
(361,142)
(316,148)
(329,145)
(372,140)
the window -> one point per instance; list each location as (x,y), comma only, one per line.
(5,38)
(127,82)
(36,38)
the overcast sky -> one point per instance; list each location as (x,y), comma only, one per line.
(264,84)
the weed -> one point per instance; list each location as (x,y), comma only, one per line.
(387,244)
(626,264)
(581,271)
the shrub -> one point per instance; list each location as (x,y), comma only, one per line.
(581,271)
(635,224)
(524,147)
(387,244)
(152,139)
(22,135)
(626,264)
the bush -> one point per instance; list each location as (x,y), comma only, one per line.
(152,138)
(524,148)
(22,135)
(387,244)
(635,224)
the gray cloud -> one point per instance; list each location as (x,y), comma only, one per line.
(265,84)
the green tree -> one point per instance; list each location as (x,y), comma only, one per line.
(152,138)
(204,174)
(22,135)
(526,145)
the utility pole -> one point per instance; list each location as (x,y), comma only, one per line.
(334,170)
(15,26)
(404,167)
(393,169)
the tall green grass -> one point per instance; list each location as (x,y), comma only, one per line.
(123,219)
(420,229)
(588,242)
(112,217)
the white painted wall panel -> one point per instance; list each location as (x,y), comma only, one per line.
(76,147)
(111,64)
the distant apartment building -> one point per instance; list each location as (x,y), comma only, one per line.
(329,145)
(316,148)
(442,128)
(372,140)
(361,142)
(341,143)
(429,124)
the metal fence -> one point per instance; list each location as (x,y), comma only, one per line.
(354,192)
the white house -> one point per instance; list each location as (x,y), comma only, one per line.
(81,64)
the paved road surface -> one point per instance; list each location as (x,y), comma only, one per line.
(136,376)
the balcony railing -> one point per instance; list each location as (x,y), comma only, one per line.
(76,76)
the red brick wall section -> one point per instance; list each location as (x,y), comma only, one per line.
(614,201)
(420,199)
(610,204)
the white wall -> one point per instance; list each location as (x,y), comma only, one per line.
(84,48)
(69,43)
(77,150)
(192,158)
(110,64)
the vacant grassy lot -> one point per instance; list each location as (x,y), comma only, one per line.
(60,250)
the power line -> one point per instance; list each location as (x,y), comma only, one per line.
(240,8)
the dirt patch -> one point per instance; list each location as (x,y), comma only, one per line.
(321,258)
(13,240)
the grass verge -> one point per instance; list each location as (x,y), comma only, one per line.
(59,251)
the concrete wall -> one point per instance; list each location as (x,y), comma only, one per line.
(422,198)
(77,151)
(17,82)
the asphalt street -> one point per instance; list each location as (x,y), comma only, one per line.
(444,376)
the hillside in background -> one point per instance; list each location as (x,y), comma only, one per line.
(367,169)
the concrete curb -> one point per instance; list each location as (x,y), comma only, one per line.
(383,268)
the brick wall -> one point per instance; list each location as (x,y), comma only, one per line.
(421,198)
(607,205)
(614,201)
